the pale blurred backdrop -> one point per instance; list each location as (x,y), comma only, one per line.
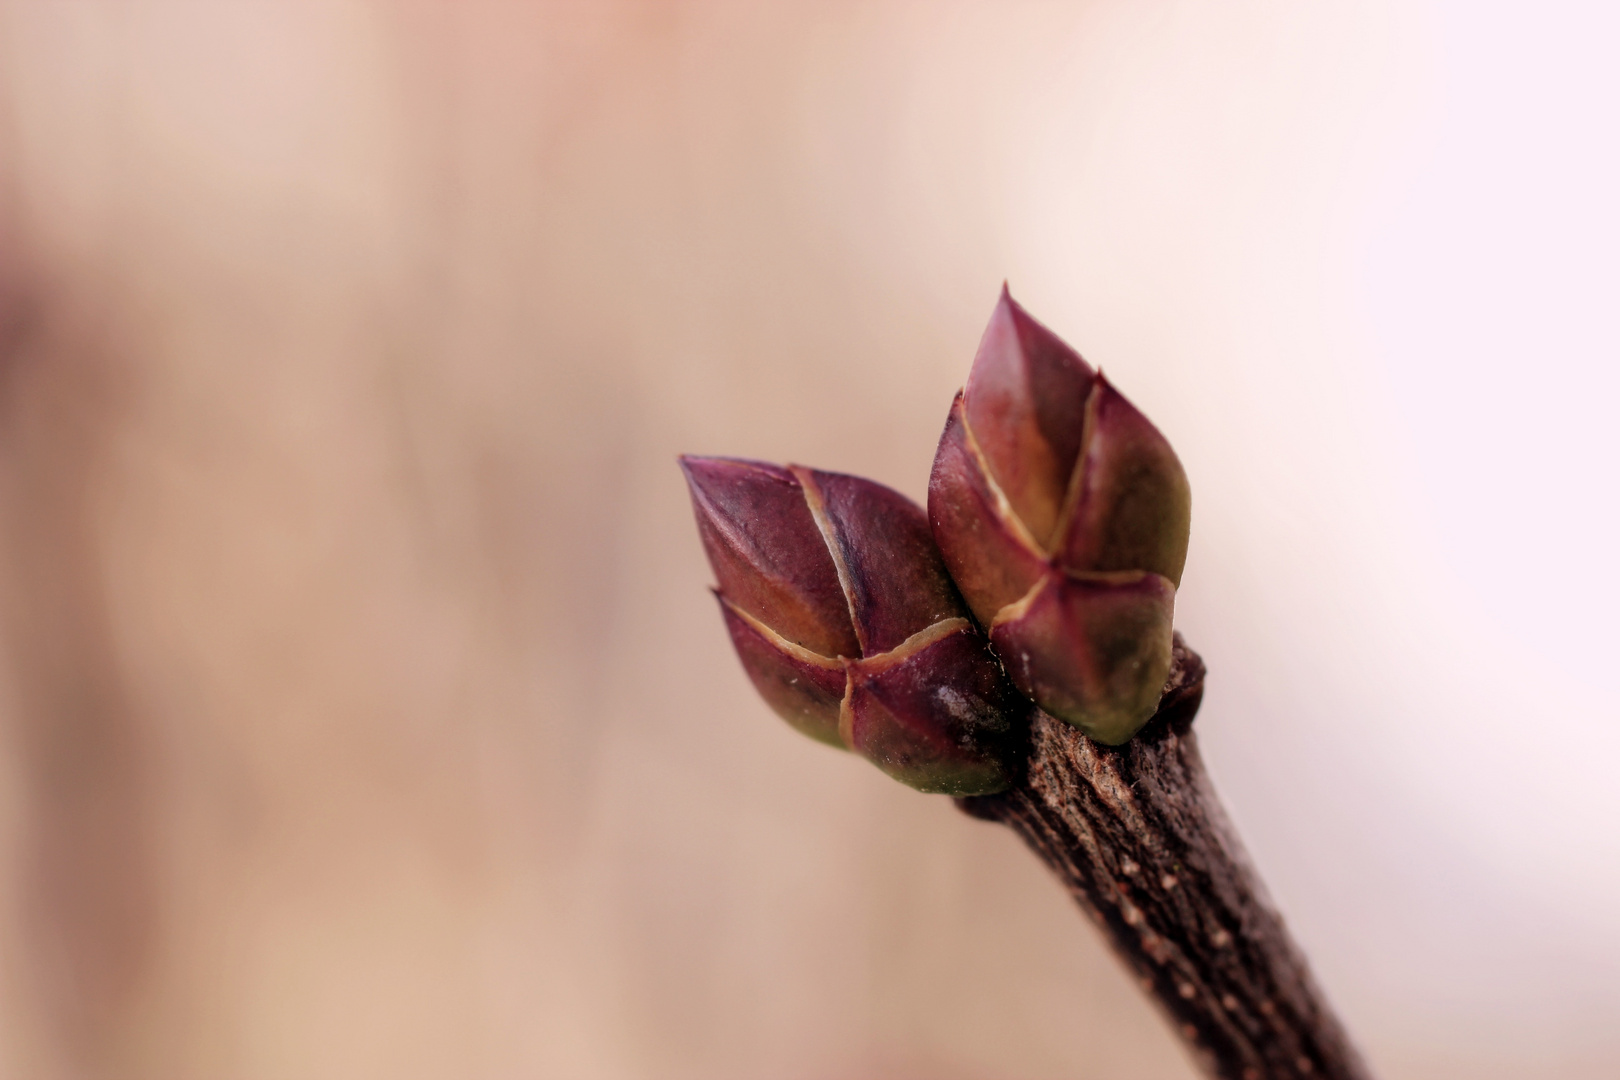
(363,711)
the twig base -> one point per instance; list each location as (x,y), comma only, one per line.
(1138,837)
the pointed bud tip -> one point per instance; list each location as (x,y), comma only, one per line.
(1025,403)
(769,555)
(704,472)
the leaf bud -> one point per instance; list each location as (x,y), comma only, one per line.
(1063,515)
(846,620)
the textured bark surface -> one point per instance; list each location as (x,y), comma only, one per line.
(1139,838)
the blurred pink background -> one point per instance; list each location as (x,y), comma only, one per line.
(362,708)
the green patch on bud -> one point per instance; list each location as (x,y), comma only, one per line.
(1092,650)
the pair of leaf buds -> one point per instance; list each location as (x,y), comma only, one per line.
(1044,571)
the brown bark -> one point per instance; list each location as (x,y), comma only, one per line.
(1138,837)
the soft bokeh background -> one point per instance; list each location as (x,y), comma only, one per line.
(362,709)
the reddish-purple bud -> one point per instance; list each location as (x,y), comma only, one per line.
(894,669)
(1063,516)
